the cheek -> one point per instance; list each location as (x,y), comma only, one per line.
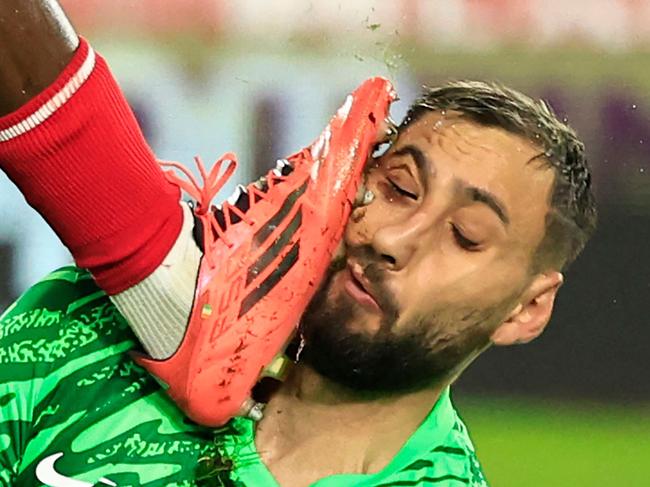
(441,279)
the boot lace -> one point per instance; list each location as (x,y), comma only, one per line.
(212,182)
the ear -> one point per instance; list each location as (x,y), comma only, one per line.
(529,318)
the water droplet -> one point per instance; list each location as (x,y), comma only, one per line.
(634,106)
(641,141)
(642,170)
(368,197)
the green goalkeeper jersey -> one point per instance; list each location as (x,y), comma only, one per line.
(76,411)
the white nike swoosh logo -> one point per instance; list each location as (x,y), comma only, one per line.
(46,473)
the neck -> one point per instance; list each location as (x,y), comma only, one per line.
(309,410)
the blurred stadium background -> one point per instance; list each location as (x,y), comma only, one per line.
(261,78)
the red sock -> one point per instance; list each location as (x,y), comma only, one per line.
(79,158)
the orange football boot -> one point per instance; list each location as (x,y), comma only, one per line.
(263,259)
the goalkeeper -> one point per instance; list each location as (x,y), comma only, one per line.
(456,240)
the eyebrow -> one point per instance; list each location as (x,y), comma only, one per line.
(482,196)
(426,169)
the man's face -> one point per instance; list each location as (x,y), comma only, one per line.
(436,261)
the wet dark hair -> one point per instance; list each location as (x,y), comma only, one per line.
(572,218)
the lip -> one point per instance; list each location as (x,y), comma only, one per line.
(356,286)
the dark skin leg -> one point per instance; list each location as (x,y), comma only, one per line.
(36,43)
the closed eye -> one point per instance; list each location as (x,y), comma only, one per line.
(402,191)
(463,241)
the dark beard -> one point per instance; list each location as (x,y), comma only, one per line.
(385,361)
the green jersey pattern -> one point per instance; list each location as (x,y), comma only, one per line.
(69,388)
(76,411)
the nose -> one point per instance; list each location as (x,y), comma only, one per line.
(397,242)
